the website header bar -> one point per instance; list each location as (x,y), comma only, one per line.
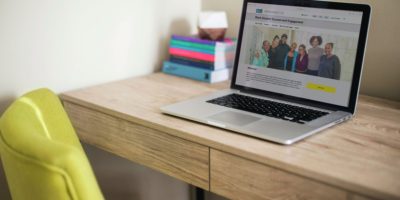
(351,17)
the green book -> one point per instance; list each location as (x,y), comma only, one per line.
(193,45)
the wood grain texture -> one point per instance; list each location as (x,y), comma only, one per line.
(361,156)
(239,178)
(357,197)
(171,155)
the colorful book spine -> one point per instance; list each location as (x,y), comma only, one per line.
(196,73)
(201,41)
(203,46)
(192,49)
(192,62)
(180,43)
(192,54)
(192,39)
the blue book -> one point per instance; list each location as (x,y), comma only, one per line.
(192,62)
(195,73)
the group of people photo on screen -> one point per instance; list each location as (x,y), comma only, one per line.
(313,57)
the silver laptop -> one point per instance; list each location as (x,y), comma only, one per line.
(297,71)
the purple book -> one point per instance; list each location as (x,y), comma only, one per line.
(195,39)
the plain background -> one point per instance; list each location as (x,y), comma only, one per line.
(71,44)
(65,45)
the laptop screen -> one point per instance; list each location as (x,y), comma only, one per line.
(304,52)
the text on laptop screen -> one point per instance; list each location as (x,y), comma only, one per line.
(302,52)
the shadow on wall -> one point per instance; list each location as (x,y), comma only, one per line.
(4,192)
(5,102)
(179,26)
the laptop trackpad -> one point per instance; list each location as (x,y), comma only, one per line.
(234,118)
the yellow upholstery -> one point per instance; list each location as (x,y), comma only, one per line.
(41,154)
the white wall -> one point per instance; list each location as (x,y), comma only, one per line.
(71,44)
(382,68)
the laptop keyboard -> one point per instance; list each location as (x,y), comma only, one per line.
(268,108)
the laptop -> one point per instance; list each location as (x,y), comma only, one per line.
(297,71)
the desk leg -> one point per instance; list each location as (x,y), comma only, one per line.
(199,194)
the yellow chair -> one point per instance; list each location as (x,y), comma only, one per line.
(41,154)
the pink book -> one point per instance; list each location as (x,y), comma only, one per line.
(192,54)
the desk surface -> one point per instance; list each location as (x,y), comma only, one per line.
(362,155)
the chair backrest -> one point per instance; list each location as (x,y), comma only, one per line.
(41,154)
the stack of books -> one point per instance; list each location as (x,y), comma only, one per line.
(203,60)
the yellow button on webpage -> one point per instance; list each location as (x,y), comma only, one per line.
(319,87)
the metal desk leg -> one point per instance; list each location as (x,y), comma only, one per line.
(199,194)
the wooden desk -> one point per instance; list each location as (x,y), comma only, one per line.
(359,159)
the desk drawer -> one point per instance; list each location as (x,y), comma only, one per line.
(171,155)
(239,178)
